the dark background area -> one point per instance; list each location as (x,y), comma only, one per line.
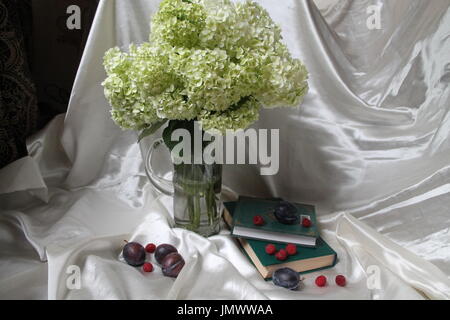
(39,58)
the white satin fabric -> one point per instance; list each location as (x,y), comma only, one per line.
(370,146)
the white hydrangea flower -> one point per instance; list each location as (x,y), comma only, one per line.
(209,60)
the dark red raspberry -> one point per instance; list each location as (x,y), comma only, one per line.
(340,280)
(306,222)
(281,255)
(150,248)
(291,249)
(258,220)
(271,249)
(321,281)
(147,267)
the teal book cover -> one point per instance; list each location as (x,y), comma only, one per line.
(247,208)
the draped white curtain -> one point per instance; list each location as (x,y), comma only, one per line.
(370,147)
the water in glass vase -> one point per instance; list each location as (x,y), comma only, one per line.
(197,200)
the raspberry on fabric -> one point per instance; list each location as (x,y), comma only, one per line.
(147,267)
(321,281)
(341,281)
(150,248)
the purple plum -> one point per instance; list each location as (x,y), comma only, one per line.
(134,254)
(163,250)
(286,278)
(286,213)
(172,264)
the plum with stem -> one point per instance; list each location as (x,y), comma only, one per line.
(134,254)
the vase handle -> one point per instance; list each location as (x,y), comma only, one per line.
(162,184)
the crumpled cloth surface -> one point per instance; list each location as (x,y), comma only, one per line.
(370,147)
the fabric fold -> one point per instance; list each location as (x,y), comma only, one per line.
(417,272)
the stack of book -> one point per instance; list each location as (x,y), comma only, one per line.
(313,253)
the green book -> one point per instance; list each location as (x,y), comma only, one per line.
(306,260)
(273,230)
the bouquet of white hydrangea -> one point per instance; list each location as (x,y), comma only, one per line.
(212,61)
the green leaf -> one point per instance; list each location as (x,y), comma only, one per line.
(151,129)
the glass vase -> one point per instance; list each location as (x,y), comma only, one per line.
(195,188)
